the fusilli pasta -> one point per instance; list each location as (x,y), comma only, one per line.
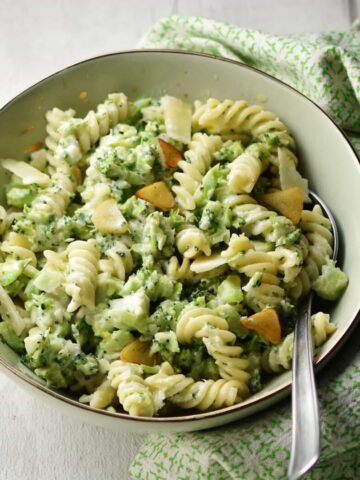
(82,274)
(137,301)
(197,161)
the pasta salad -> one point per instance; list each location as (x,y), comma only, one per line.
(153,253)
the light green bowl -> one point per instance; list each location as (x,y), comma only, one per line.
(326,157)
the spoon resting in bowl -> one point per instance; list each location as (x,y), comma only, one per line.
(306,436)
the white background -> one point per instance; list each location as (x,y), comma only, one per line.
(38,37)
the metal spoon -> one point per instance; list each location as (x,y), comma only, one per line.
(306,442)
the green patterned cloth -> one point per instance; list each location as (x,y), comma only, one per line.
(326,68)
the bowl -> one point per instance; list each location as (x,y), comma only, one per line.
(326,157)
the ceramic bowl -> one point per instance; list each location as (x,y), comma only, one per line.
(327,159)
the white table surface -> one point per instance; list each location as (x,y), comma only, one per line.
(38,37)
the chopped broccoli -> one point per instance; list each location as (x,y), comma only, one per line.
(157,238)
(215,220)
(194,361)
(136,110)
(130,312)
(57,360)
(230,291)
(10,337)
(113,342)
(214,178)
(84,335)
(331,283)
(165,343)
(11,270)
(255,383)
(229,151)
(19,195)
(155,284)
(165,316)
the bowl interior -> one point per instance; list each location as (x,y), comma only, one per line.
(326,157)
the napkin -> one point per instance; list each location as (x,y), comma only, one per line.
(326,68)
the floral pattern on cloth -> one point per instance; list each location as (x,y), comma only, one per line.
(326,68)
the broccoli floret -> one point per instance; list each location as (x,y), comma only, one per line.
(136,110)
(155,284)
(81,225)
(331,283)
(45,234)
(10,337)
(176,219)
(166,345)
(194,361)
(156,239)
(255,383)
(290,238)
(215,220)
(57,360)
(107,287)
(229,151)
(11,270)
(209,369)
(258,150)
(130,312)
(127,155)
(19,195)
(114,342)
(165,316)
(135,208)
(214,178)
(261,186)
(83,334)
(232,316)
(229,290)
(206,288)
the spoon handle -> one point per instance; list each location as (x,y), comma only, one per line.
(305,444)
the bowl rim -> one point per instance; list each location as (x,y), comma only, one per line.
(279,391)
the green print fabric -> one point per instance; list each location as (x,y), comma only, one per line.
(326,68)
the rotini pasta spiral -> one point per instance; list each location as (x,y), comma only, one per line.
(53,201)
(317,230)
(263,290)
(55,117)
(291,258)
(186,393)
(236,117)
(118,262)
(244,173)
(191,241)
(18,247)
(197,161)
(133,392)
(97,124)
(214,331)
(82,274)
(257,220)
(322,328)
(241,256)
(102,397)
(279,357)
(179,271)
(246,169)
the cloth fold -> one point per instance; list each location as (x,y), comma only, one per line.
(326,68)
